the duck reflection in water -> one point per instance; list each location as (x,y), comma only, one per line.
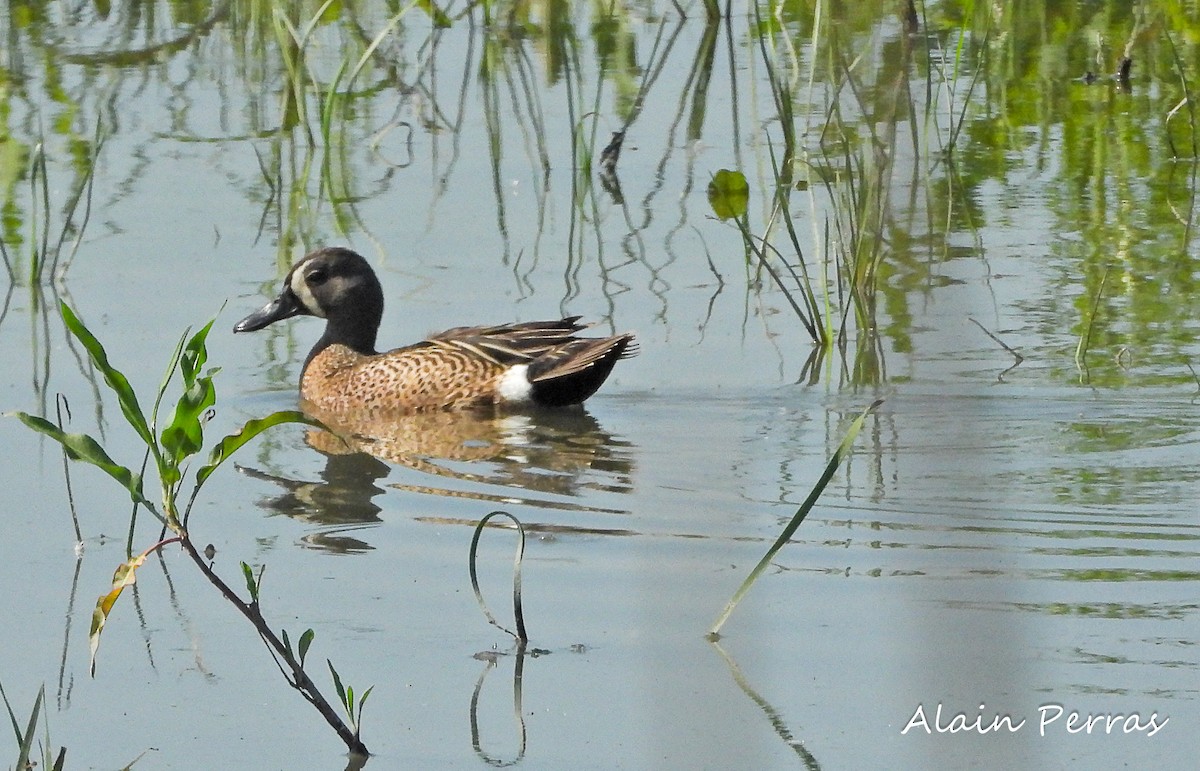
(546,458)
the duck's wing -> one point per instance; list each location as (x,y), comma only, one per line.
(510,344)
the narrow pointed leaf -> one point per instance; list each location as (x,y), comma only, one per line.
(195,354)
(27,739)
(12,716)
(251,584)
(115,379)
(253,428)
(842,451)
(337,682)
(85,448)
(172,365)
(124,576)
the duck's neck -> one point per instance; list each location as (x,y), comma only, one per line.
(357,337)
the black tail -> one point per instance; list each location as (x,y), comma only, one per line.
(573,372)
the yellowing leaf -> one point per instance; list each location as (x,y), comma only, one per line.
(123,577)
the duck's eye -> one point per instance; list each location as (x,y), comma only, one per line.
(317,276)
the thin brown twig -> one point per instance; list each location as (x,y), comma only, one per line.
(297,678)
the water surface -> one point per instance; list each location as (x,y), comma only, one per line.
(1009,534)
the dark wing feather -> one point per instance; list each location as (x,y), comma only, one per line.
(509,344)
(579,354)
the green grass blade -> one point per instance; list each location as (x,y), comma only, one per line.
(172,365)
(842,451)
(230,444)
(375,43)
(85,448)
(11,715)
(27,739)
(518,613)
(115,379)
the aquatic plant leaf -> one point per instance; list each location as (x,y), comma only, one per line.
(195,354)
(337,683)
(728,194)
(230,444)
(172,365)
(842,451)
(12,716)
(306,640)
(252,585)
(112,376)
(125,575)
(518,614)
(25,738)
(184,436)
(85,448)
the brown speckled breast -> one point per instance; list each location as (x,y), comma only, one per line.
(426,376)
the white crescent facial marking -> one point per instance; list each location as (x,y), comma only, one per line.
(304,294)
(515,385)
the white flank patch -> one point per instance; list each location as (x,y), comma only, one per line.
(305,295)
(515,385)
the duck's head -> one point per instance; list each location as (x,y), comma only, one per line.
(334,284)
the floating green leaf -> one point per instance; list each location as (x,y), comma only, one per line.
(728,194)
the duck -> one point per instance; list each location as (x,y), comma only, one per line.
(507,366)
